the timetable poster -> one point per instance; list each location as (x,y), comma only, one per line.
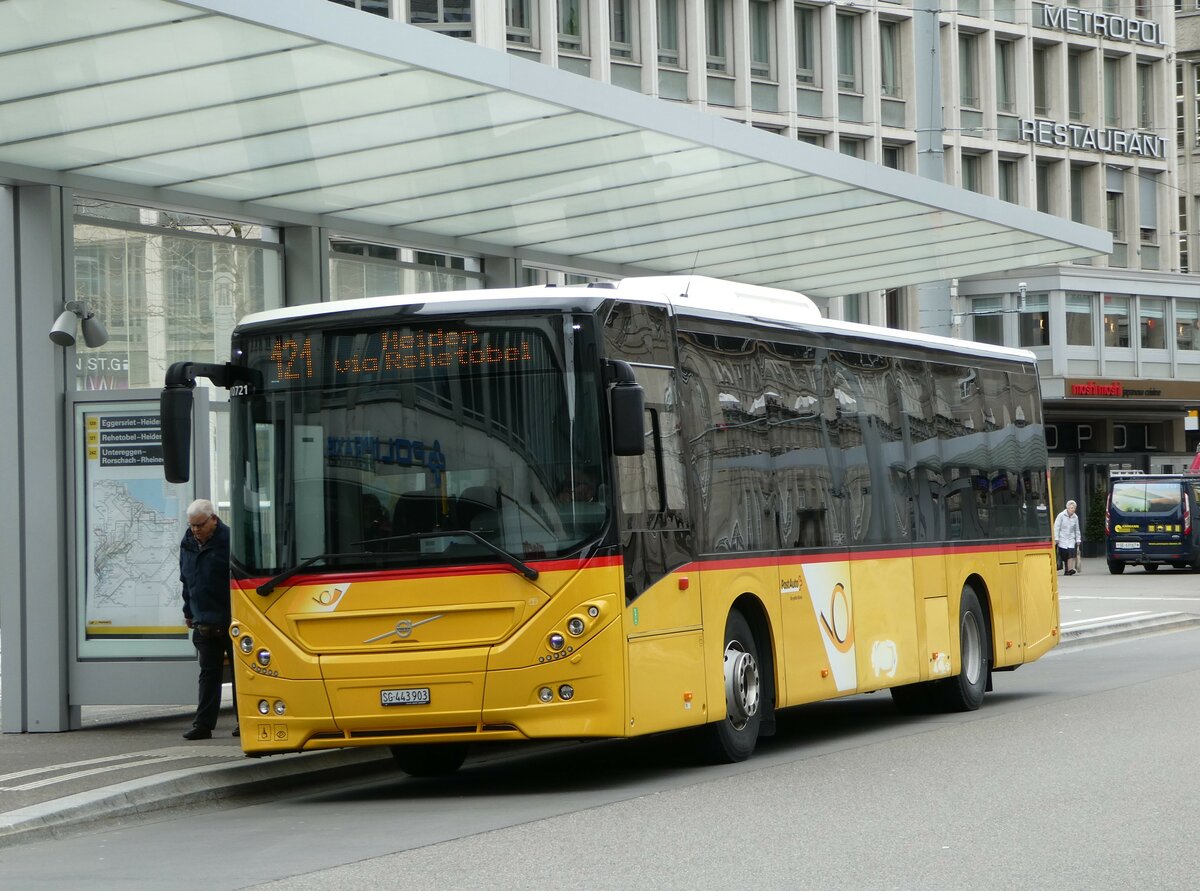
(133,521)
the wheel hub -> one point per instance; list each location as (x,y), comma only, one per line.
(742,688)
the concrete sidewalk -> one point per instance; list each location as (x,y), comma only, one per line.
(126,762)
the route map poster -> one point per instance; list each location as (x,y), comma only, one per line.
(132,522)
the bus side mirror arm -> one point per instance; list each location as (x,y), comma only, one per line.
(627,406)
(175,409)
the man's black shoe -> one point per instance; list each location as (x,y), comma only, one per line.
(198,733)
(237,731)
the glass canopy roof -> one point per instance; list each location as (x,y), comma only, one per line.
(308,112)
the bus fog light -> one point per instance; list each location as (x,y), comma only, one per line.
(246,644)
(575,626)
(593,611)
(264,707)
(556,641)
(545,694)
(567,692)
(280,708)
(264,657)
(235,630)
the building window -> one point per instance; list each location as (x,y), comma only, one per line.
(1112,91)
(1075,86)
(762,40)
(1041,81)
(1079,320)
(1180,119)
(716,34)
(1006,95)
(1184,260)
(670,33)
(1114,205)
(1007,183)
(1116,321)
(808,45)
(1044,176)
(449,17)
(968,70)
(889,59)
(893,156)
(987,317)
(847,50)
(817,139)
(572,25)
(972,176)
(520,22)
(1145,88)
(1151,312)
(1196,104)
(1033,321)
(1078,194)
(375,7)
(622,28)
(855,148)
(1187,324)
(894,308)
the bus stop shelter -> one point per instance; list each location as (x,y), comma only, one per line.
(303,113)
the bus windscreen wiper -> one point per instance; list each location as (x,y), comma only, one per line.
(511,559)
(275,581)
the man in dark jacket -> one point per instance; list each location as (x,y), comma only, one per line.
(204,572)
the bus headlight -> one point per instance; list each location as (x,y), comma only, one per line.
(555,641)
(567,692)
(235,630)
(264,707)
(247,644)
(545,694)
(280,708)
(575,626)
(264,657)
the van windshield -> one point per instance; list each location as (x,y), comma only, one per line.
(1147,497)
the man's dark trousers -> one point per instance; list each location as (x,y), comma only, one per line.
(213,645)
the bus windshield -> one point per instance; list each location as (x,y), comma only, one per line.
(378,445)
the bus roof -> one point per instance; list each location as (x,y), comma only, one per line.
(685,295)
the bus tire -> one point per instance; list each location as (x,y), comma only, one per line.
(964,692)
(430,759)
(734,737)
(1116,567)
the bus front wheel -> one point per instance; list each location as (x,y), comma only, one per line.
(733,738)
(429,760)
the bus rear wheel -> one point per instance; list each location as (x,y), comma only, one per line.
(429,760)
(734,737)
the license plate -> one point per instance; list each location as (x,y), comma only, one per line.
(405,696)
(1128,545)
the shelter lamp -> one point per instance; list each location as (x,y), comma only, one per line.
(76,313)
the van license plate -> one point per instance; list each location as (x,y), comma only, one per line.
(405,696)
(1128,545)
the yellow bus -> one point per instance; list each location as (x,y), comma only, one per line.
(616,510)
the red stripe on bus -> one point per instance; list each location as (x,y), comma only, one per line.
(384,575)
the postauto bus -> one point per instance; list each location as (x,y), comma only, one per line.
(1151,521)
(660,505)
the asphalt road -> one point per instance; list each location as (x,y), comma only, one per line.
(1079,771)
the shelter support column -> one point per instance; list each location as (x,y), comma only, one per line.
(36,552)
(933,298)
